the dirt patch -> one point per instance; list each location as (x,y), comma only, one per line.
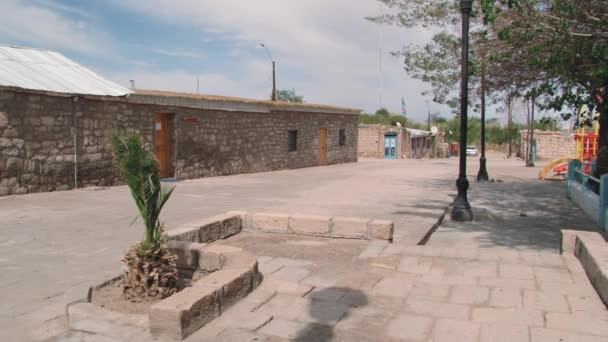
(110,295)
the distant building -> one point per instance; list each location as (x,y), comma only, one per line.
(393,142)
(54,116)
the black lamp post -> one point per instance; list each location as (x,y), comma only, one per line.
(482,175)
(461,209)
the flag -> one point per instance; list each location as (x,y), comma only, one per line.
(403,110)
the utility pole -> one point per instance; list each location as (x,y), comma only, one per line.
(428,120)
(273,97)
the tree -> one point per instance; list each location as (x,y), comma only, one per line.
(289,95)
(383,112)
(151,271)
(567,42)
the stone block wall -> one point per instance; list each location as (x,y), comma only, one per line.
(371,141)
(550,145)
(51,142)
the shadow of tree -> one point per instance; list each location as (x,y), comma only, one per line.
(326,315)
(521,215)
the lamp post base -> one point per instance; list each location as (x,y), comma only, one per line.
(461,209)
(482,176)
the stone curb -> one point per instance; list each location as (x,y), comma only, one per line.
(321,226)
(592,251)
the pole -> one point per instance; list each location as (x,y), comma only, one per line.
(274,82)
(482,175)
(531,156)
(428,120)
(461,209)
(509,118)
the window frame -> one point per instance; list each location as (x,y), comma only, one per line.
(342,137)
(292,140)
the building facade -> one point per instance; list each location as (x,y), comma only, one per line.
(392,142)
(59,141)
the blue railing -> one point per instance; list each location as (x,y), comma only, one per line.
(594,190)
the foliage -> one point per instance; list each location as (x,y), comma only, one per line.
(289,95)
(547,124)
(383,117)
(383,112)
(151,269)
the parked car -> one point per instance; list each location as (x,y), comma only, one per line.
(472,151)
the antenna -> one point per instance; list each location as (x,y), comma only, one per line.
(132,84)
(381,76)
(197,84)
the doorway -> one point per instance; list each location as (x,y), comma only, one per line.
(161,143)
(322,146)
(390,146)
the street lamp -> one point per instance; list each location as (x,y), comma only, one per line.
(461,209)
(482,175)
(274,80)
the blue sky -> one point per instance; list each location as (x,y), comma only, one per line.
(325,49)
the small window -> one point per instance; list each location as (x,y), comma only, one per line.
(292,140)
(342,137)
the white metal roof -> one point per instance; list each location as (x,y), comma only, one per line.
(418,132)
(45,70)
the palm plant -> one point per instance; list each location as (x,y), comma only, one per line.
(151,270)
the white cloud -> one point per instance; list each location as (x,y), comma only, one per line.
(46,27)
(326,50)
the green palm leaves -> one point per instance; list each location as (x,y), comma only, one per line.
(139,170)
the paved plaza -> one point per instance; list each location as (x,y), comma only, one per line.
(471,281)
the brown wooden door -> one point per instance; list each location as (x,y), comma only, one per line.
(322,146)
(161,126)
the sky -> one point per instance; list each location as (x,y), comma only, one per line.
(324,49)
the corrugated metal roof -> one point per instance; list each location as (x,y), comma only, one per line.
(51,71)
(418,132)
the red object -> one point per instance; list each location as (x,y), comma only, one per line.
(590,143)
(559,169)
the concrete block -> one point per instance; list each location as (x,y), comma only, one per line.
(271,223)
(410,328)
(580,322)
(188,253)
(310,224)
(508,316)
(245,218)
(506,298)
(591,249)
(449,330)
(230,224)
(214,257)
(437,309)
(513,271)
(500,332)
(349,227)
(558,335)
(381,229)
(210,230)
(185,233)
(474,295)
(568,239)
(183,313)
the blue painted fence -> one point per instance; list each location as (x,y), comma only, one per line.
(581,190)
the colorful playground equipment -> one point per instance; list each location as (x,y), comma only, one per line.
(586,151)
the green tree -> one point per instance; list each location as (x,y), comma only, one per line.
(383,112)
(289,95)
(150,266)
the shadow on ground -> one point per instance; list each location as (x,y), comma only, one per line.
(322,330)
(520,215)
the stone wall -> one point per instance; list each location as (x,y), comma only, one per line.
(371,141)
(550,145)
(39,132)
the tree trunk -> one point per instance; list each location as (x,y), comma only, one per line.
(509,119)
(602,152)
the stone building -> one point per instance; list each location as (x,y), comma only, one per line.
(392,142)
(53,128)
(549,145)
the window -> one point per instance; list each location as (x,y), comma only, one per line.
(292,137)
(342,137)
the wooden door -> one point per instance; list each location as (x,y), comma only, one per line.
(161,142)
(322,146)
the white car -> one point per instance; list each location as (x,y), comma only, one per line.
(472,151)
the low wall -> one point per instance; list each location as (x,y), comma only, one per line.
(550,145)
(371,141)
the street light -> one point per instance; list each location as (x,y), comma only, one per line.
(482,175)
(274,80)
(461,209)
